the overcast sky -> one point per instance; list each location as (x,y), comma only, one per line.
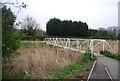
(96,13)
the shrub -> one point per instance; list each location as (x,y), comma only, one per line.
(10,43)
(88,56)
(109,54)
(10,37)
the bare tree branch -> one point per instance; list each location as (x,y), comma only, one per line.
(13,3)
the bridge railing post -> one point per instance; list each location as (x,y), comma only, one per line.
(91,47)
(69,43)
(56,41)
(77,44)
(103,44)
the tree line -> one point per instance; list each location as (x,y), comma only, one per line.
(69,28)
(56,27)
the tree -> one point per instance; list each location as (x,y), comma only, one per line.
(56,27)
(29,26)
(93,33)
(53,27)
(10,40)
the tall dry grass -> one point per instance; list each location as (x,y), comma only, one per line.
(36,61)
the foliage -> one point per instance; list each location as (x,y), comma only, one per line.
(56,27)
(106,38)
(42,38)
(67,71)
(88,56)
(33,38)
(92,32)
(109,54)
(101,33)
(28,44)
(10,40)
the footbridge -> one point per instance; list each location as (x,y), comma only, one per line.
(82,45)
(104,68)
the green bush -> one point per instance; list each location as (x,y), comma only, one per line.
(10,36)
(109,54)
(88,56)
(10,43)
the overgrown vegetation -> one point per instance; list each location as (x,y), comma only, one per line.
(29,44)
(68,71)
(109,54)
(41,61)
(36,59)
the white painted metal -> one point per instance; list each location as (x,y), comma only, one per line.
(74,44)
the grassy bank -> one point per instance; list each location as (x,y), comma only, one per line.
(71,71)
(36,59)
(78,70)
(109,54)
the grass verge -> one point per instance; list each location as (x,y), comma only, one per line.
(69,71)
(109,54)
(29,44)
(78,70)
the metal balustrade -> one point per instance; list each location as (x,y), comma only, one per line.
(80,44)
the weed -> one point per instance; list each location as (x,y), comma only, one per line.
(27,44)
(68,71)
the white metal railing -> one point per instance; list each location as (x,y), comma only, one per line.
(80,44)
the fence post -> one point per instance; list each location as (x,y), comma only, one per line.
(77,44)
(56,42)
(103,45)
(91,45)
(92,48)
(69,43)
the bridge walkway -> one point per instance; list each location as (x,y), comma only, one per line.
(106,68)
